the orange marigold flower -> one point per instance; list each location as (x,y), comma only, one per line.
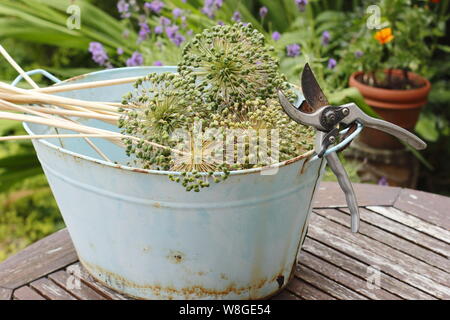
(384,35)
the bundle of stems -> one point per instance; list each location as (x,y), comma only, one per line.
(41,106)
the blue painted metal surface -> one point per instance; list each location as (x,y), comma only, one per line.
(144,235)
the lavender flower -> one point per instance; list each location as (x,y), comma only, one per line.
(301,4)
(293,50)
(158,30)
(175,36)
(358,54)
(155,6)
(144,31)
(158,63)
(383,181)
(326,37)
(98,53)
(164,21)
(123,7)
(177,12)
(171,31)
(276,36)
(263,12)
(119,51)
(211,6)
(332,63)
(236,16)
(136,60)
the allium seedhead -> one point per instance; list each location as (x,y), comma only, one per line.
(231,64)
(158,106)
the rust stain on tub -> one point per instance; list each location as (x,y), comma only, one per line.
(80,77)
(194,291)
(175,256)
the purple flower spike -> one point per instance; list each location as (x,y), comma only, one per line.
(236,16)
(136,60)
(383,181)
(276,36)
(263,12)
(98,53)
(301,4)
(158,63)
(122,6)
(332,63)
(164,21)
(177,12)
(158,30)
(326,37)
(359,54)
(293,50)
(155,6)
(119,51)
(144,31)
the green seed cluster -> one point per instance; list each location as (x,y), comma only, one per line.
(231,64)
(227,81)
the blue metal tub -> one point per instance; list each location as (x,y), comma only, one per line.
(143,235)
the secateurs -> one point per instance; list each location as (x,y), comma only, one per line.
(316,111)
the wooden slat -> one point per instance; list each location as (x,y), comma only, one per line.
(82,293)
(285,295)
(374,253)
(392,240)
(26,293)
(390,252)
(360,269)
(45,256)
(98,287)
(343,277)
(327,285)
(306,291)
(51,290)
(5,293)
(330,195)
(428,243)
(430,207)
(413,222)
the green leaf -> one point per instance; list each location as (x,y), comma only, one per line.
(426,127)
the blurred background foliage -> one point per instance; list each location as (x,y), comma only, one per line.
(35,33)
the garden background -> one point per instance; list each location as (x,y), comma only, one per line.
(69,38)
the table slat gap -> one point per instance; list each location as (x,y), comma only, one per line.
(441,278)
(326,284)
(360,269)
(307,291)
(370,257)
(413,222)
(393,241)
(420,239)
(344,277)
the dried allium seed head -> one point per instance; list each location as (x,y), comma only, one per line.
(231,64)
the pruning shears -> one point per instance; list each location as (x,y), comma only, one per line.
(329,121)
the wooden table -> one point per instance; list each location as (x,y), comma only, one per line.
(401,252)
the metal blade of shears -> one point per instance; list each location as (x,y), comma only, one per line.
(312,92)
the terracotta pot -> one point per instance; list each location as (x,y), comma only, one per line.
(401,107)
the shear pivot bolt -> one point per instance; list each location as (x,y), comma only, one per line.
(345,111)
(331,139)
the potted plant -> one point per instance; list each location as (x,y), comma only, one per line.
(389,62)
